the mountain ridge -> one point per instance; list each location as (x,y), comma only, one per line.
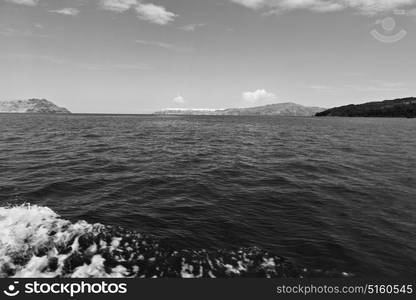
(276,109)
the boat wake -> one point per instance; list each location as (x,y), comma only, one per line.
(36,242)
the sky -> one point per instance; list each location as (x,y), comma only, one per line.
(134,56)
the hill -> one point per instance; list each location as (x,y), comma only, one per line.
(399,108)
(31,106)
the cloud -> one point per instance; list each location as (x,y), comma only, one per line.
(179,99)
(33,57)
(12,32)
(377,6)
(146,11)
(26,57)
(155,14)
(367,7)
(321,87)
(251,3)
(378,86)
(192,27)
(115,67)
(258,95)
(164,46)
(24,2)
(118,5)
(67,11)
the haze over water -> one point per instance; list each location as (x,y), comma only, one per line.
(329,193)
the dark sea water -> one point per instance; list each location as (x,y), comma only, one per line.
(327,193)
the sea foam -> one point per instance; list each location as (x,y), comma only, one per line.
(37,242)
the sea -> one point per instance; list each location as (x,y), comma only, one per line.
(206,196)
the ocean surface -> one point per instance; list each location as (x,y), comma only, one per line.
(328,194)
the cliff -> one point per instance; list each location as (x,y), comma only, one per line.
(31,106)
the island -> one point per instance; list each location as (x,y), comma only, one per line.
(279,109)
(398,108)
(32,106)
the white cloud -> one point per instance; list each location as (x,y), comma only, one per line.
(67,11)
(24,2)
(320,87)
(179,99)
(118,5)
(33,57)
(378,6)
(258,95)
(164,46)
(115,67)
(192,27)
(146,11)
(368,7)
(155,14)
(251,3)
(11,32)
(378,86)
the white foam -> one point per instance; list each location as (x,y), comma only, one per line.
(95,269)
(25,230)
(37,242)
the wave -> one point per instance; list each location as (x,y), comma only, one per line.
(36,242)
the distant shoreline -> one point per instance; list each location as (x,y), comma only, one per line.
(196,116)
(146,114)
(398,108)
